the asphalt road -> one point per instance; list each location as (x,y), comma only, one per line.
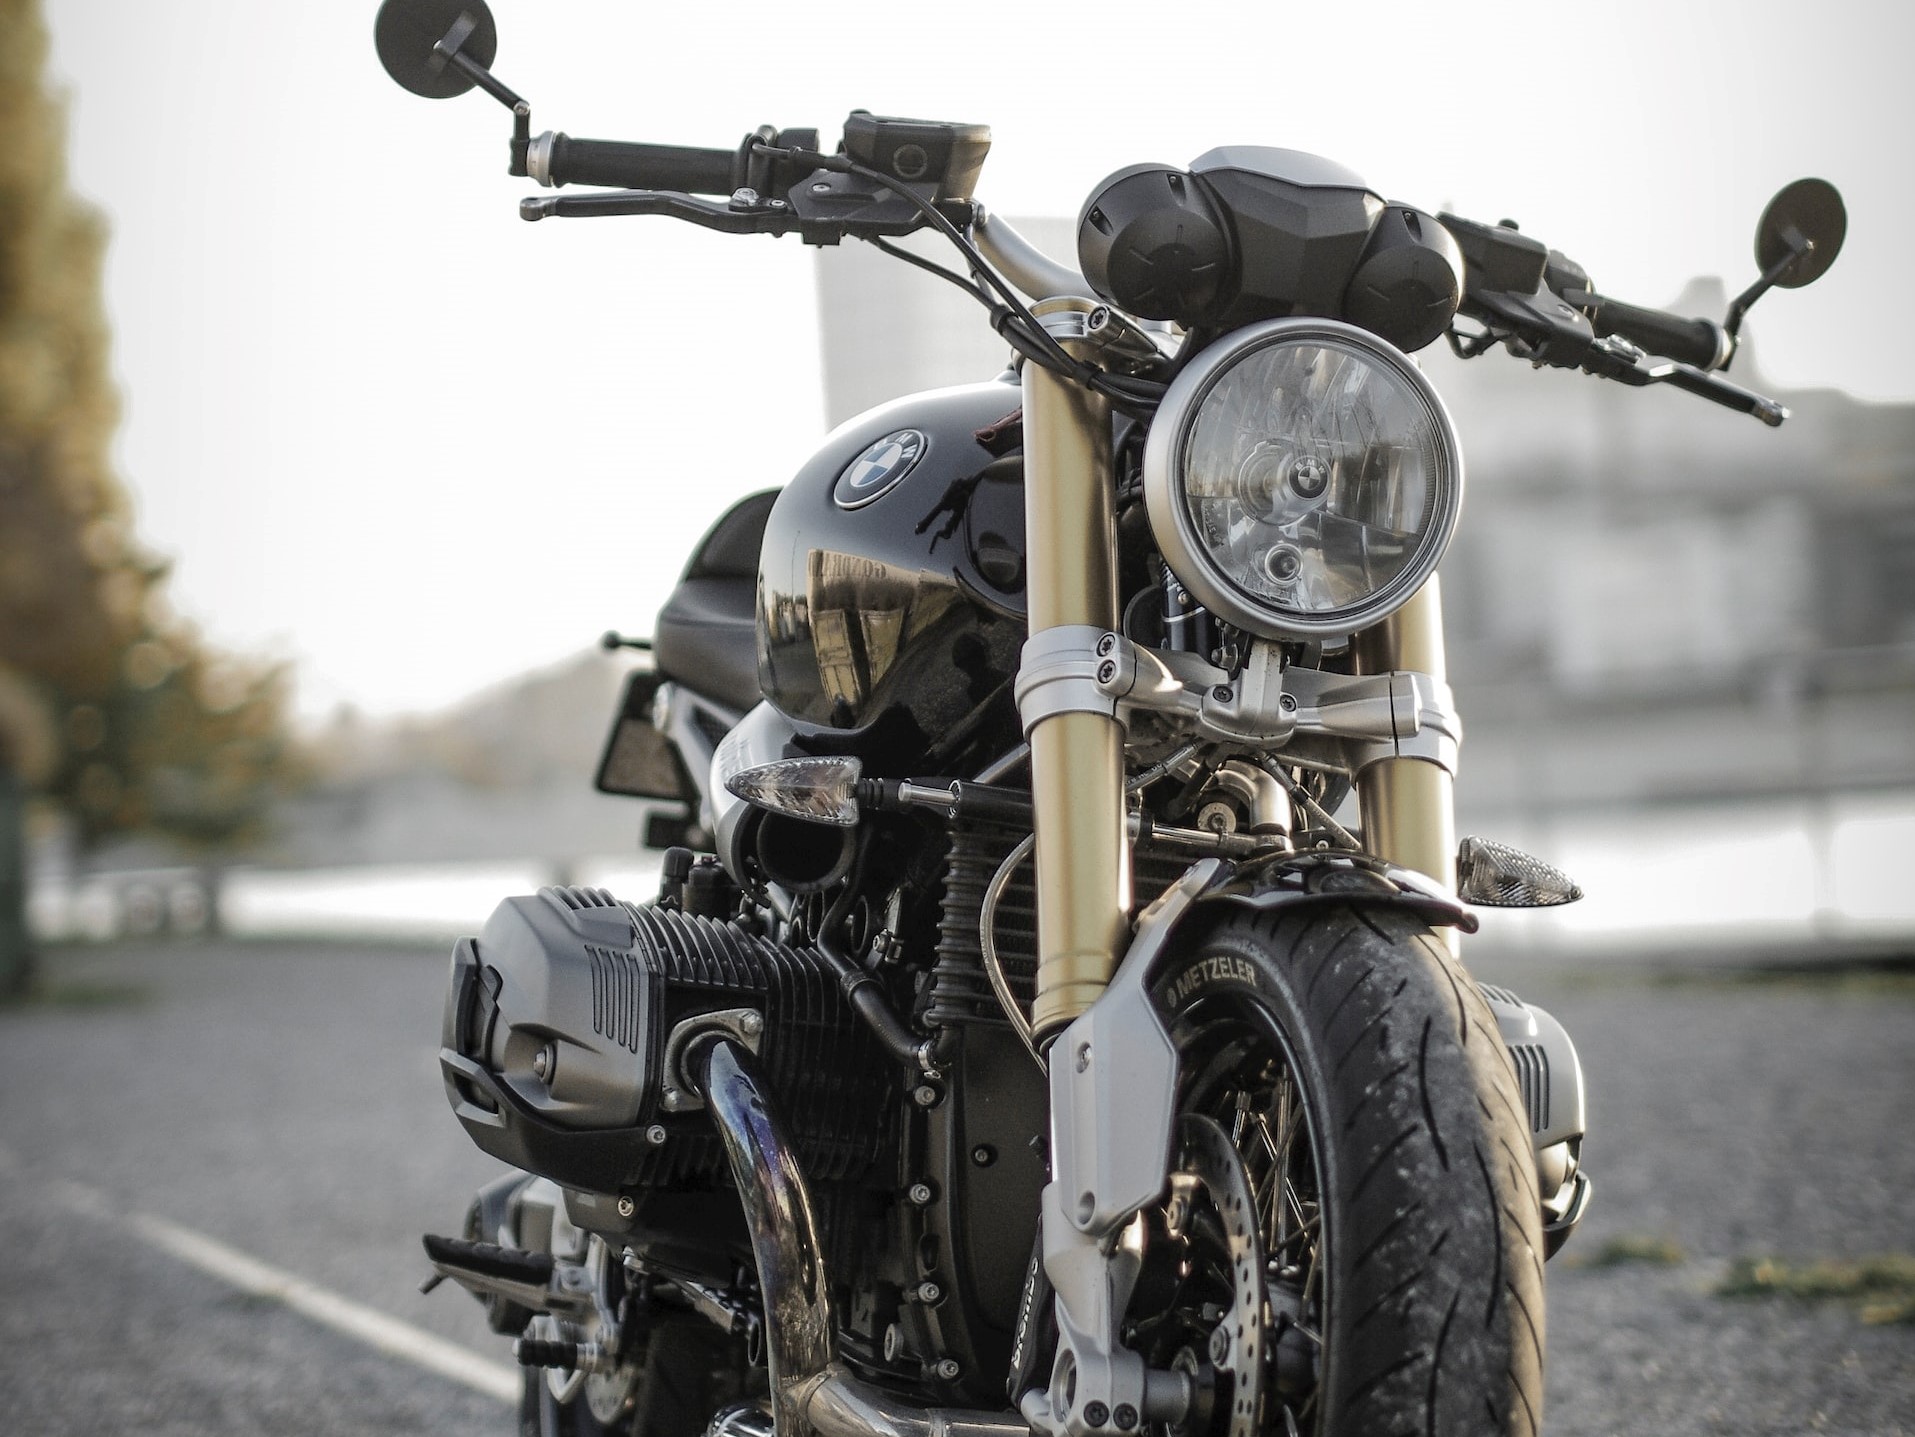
(1732,1117)
(284,1101)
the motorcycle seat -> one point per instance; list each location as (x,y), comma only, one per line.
(706,637)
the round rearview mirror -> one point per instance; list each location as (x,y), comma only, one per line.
(407,32)
(1807,219)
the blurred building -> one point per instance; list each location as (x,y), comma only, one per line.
(891,329)
(1639,555)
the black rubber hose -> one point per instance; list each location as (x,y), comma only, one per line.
(622,165)
(866,996)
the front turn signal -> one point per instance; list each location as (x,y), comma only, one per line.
(1494,875)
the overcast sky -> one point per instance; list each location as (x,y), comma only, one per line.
(392,433)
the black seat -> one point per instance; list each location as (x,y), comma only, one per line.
(706,637)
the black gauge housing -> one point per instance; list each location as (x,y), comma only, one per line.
(1249,233)
(1409,282)
(1152,240)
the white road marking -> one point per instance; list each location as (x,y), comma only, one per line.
(259,1279)
(342,1314)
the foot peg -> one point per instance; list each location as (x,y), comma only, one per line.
(489,1260)
(487,1270)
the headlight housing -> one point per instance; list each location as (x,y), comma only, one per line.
(1302,478)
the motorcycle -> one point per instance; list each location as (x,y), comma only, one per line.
(1051,1018)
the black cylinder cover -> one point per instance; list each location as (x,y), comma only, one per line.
(1409,282)
(565,1022)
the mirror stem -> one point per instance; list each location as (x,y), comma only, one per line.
(1799,245)
(480,76)
(450,51)
(521,140)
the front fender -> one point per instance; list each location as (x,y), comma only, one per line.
(1325,877)
(1113,1089)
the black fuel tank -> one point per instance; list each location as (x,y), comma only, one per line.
(891,581)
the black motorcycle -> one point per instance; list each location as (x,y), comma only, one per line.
(1051,1017)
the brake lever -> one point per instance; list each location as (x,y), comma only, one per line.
(745,213)
(830,207)
(1618,359)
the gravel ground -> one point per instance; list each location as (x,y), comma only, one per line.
(284,1099)
(1731,1116)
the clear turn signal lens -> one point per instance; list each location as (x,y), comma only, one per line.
(819,790)
(1494,875)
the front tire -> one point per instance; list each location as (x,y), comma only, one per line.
(1369,1097)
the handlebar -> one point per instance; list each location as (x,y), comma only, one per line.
(1701,342)
(1533,299)
(1027,267)
(558,159)
(1538,304)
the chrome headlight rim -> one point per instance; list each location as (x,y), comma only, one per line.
(1183,549)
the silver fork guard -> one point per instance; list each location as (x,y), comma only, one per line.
(1113,1099)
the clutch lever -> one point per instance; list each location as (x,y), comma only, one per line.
(1616,358)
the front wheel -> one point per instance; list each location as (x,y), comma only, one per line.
(1344,1084)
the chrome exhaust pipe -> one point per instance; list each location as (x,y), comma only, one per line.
(741,1419)
(812,1394)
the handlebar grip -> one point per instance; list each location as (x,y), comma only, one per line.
(558,159)
(1700,342)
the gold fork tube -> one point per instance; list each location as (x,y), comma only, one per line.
(1408,804)
(1077,759)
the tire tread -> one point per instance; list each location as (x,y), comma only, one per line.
(1435,1207)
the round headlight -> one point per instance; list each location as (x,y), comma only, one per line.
(1303,479)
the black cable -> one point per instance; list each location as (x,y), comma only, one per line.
(865,994)
(1273,766)
(949,276)
(1195,338)
(979,265)
(1039,346)
(1468,346)
(1014,321)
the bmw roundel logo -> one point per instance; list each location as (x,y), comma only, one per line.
(880,469)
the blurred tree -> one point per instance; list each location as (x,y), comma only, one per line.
(109,705)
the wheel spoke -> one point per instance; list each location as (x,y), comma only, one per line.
(1240,1079)
(1307,1230)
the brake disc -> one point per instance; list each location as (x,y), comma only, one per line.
(1237,1341)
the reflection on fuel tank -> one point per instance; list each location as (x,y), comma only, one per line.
(899,617)
(863,613)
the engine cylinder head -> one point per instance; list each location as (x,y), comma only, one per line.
(558,1037)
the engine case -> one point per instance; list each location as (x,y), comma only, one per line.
(565,1020)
